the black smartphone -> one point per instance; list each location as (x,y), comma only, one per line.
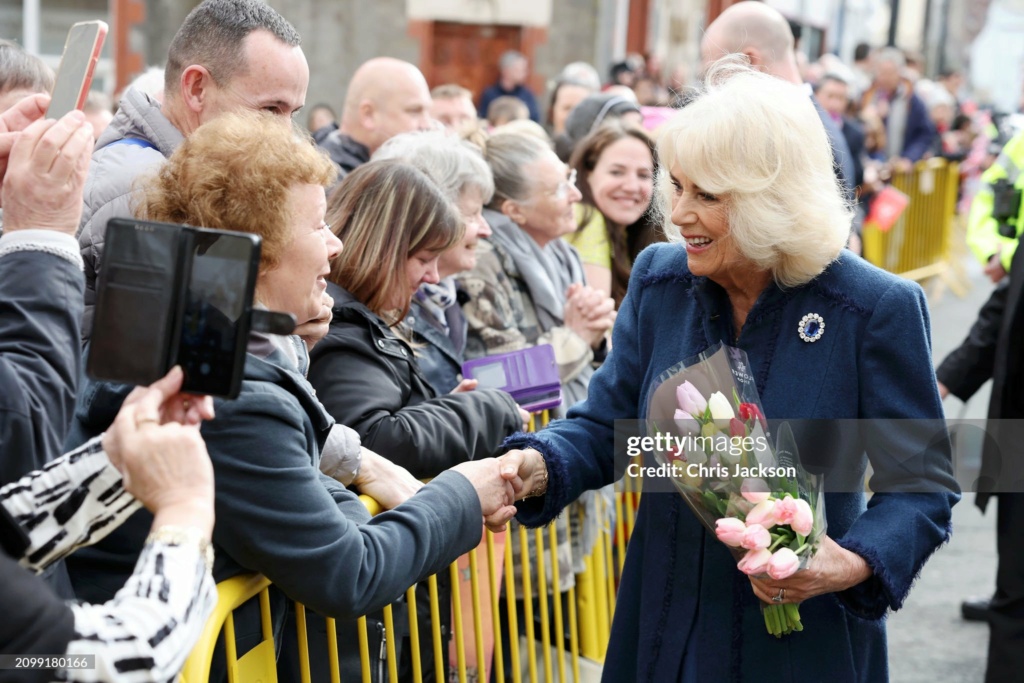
(216,310)
(174,295)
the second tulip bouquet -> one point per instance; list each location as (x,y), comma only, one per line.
(757,500)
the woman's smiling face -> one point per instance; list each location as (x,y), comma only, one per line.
(462,257)
(703,221)
(622,180)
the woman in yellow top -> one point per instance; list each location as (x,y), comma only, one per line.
(615,166)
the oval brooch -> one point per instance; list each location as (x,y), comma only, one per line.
(811,327)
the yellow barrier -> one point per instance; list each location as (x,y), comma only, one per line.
(918,246)
(231,595)
(590,605)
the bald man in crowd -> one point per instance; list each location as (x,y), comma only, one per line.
(385,97)
(763,35)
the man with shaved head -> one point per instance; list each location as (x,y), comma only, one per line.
(386,97)
(764,37)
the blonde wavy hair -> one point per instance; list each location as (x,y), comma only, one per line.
(235,173)
(758,144)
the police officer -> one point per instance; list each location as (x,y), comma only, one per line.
(994,221)
(994,349)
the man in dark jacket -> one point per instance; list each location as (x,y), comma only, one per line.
(832,94)
(908,127)
(994,349)
(764,36)
(385,97)
(512,71)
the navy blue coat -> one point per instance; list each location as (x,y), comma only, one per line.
(680,585)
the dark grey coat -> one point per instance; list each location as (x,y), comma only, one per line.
(278,515)
(40,310)
(438,356)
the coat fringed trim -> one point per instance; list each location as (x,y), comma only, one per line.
(873,598)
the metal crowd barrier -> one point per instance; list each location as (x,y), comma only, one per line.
(590,606)
(919,245)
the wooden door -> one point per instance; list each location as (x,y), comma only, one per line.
(467,54)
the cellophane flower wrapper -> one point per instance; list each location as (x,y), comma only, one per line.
(726,473)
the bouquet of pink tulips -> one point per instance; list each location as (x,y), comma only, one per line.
(757,499)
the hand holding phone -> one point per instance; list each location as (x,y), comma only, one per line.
(174,295)
(77,64)
(45,174)
(16,119)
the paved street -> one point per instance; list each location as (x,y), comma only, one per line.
(928,641)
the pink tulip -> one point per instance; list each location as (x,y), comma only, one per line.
(756,537)
(689,399)
(763,514)
(755,562)
(754,490)
(785,510)
(803,518)
(686,422)
(783,563)
(730,531)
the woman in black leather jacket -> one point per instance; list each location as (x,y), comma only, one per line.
(395,223)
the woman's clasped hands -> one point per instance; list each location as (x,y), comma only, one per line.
(589,312)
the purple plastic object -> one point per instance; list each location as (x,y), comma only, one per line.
(530,375)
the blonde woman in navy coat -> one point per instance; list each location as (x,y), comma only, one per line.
(759,226)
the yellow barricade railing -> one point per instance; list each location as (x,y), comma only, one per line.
(919,245)
(590,604)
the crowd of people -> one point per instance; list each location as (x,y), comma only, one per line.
(424,228)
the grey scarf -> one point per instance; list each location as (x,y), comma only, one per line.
(547,271)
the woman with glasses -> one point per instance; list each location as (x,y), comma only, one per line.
(529,288)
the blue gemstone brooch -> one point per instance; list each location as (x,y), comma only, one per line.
(811,327)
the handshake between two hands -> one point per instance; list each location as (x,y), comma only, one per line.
(155,443)
(500,482)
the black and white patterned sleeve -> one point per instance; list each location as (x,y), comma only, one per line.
(73,501)
(147,631)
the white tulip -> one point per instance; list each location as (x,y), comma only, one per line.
(721,409)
